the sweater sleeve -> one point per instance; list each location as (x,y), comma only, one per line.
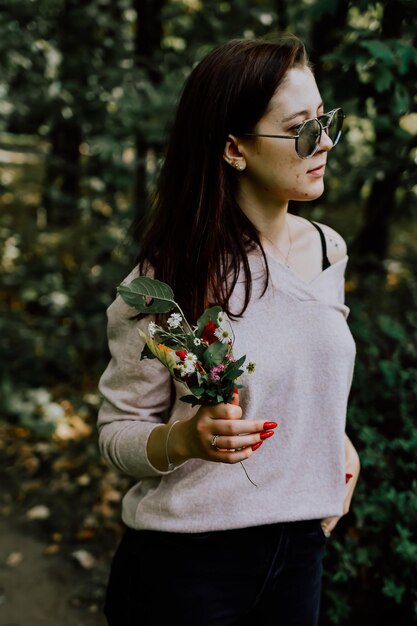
(135,395)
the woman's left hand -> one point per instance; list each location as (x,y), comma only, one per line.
(353,468)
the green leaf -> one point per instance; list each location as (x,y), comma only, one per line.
(143,287)
(401,99)
(215,353)
(379,50)
(389,372)
(234,371)
(190,400)
(392,328)
(406,55)
(383,78)
(209,314)
(392,589)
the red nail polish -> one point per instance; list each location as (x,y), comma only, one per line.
(266,433)
(257,445)
(348,477)
(268,425)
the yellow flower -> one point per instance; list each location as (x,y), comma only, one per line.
(161,346)
(164,354)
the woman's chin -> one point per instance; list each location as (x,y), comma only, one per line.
(312,194)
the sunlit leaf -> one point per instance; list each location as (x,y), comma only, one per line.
(161,352)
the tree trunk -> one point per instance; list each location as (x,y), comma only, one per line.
(61,186)
(371,244)
(327,33)
(147,45)
(281,7)
(62,175)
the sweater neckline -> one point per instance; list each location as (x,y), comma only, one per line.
(298,278)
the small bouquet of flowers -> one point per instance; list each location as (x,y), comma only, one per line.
(201,357)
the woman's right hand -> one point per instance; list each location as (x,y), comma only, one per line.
(217,433)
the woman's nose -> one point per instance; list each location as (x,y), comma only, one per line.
(325,142)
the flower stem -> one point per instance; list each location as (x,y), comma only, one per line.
(183,317)
(247,475)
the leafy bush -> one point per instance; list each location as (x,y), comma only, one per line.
(372,560)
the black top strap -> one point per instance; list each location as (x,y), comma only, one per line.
(325,261)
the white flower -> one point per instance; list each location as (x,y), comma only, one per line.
(182,370)
(223,334)
(189,363)
(185,370)
(174,320)
(190,359)
(152,328)
(221,318)
(197,341)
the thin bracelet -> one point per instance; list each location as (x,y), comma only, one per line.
(171,466)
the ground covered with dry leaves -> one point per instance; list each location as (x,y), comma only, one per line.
(59,524)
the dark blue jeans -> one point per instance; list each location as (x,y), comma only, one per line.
(264,576)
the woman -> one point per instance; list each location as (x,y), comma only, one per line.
(204,546)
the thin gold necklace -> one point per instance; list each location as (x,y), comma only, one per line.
(284,256)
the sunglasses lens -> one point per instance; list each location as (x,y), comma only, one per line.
(334,129)
(308,139)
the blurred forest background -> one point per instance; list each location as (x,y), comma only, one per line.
(87,92)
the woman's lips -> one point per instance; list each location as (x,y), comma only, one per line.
(318,171)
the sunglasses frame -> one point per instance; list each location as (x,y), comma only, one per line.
(330,115)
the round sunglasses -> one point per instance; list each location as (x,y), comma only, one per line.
(307,139)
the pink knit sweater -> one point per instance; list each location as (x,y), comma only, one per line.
(297,335)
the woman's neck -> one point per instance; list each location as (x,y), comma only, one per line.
(268,216)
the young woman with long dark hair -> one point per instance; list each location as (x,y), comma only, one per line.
(204,546)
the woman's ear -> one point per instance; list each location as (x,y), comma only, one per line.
(232,154)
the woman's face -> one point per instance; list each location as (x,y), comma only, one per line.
(274,171)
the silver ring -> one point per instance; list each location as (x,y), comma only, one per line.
(214,440)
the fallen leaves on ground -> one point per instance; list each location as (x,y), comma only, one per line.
(60,490)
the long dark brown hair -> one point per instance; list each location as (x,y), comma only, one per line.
(198,238)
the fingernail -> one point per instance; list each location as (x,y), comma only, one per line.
(266,433)
(348,477)
(268,425)
(257,445)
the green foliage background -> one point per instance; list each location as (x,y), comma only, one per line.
(87,91)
